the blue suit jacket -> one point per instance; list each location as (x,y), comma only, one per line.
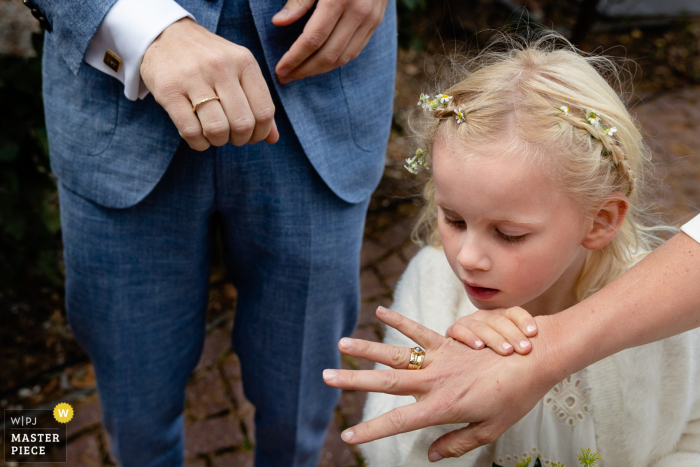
(114,151)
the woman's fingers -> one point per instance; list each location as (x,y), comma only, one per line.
(397,382)
(459,442)
(389,355)
(426,338)
(399,420)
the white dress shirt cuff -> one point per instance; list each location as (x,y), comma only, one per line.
(692,228)
(127,31)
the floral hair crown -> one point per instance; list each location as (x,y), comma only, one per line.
(441,101)
(591,122)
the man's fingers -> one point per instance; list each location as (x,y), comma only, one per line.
(274,135)
(180,110)
(389,355)
(315,34)
(394,382)
(459,442)
(426,338)
(259,100)
(292,11)
(331,55)
(399,420)
(215,125)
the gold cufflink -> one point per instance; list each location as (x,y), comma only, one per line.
(112,60)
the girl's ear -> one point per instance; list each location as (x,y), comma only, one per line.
(606,222)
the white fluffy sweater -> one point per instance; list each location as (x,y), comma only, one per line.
(645,400)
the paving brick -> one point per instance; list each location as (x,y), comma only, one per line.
(107,445)
(371,286)
(216,344)
(232,366)
(335,453)
(207,396)
(368,311)
(410,250)
(390,270)
(396,233)
(371,250)
(206,436)
(195,463)
(351,405)
(84,452)
(234,459)
(246,410)
(85,414)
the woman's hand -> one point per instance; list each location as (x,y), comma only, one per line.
(502,330)
(455,385)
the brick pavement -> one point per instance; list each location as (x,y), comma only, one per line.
(219,420)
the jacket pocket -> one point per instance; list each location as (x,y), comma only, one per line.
(81,110)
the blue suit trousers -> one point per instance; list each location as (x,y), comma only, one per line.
(137,289)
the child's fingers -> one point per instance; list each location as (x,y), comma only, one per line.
(492,338)
(463,334)
(507,329)
(523,319)
(389,355)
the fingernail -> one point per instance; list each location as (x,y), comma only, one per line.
(381,310)
(282,14)
(347,435)
(531,328)
(479,343)
(524,344)
(329,375)
(507,346)
(434,457)
(345,343)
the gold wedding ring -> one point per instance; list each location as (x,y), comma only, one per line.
(204,101)
(417,356)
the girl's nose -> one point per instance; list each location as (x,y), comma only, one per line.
(472,256)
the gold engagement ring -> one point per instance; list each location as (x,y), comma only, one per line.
(204,101)
(417,356)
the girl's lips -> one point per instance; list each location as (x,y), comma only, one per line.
(482,293)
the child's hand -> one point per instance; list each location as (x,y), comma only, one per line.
(503,330)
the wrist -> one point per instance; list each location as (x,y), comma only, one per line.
(557,353)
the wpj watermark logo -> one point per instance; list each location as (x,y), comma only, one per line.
(37,435)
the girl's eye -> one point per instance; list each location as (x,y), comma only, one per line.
(510,238)
(453,223)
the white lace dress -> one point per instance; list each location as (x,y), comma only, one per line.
(555,430)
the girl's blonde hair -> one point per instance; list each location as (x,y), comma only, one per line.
(515,94)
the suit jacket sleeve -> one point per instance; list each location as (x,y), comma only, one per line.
(74,22)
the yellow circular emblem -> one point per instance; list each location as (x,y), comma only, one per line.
(63,412)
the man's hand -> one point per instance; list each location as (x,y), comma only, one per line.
(336,33)
(187,64)
(455,385)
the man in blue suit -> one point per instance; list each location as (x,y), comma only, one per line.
(142,182)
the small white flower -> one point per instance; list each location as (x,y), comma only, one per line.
(432,105)
(593,118)
(565,109)
(609,131)
(459,116)
(424,101)
(443,99)
(418,160)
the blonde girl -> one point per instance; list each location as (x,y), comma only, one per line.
(536,171)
